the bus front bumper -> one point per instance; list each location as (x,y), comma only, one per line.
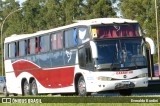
(97,86)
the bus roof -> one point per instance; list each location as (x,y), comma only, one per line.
(96,21)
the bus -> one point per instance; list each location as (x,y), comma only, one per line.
(88,56)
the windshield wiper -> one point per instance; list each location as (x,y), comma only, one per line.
(113,66)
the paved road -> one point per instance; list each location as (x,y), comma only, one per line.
(133,94)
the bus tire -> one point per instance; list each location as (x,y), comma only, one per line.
(26,88)
(14,94)
(34,89)
(82,87)
(125,92)
(6,93)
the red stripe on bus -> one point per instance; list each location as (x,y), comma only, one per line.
(48,78)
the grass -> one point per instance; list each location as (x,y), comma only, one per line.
(85,104)
(86,100)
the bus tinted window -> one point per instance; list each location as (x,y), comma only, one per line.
(6,51)
(37,45)
(22,48)
(12,50)
(115,31)
(17,48)
(32,46)
(82,57)
(26,49)
(46,40)
(70,38)
(57,41)
(44,43)
(83,35)
(28,46)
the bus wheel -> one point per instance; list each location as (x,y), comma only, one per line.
(126,92)
(26,88)
(82,87)
(6,93)
(34,89)
(14,94)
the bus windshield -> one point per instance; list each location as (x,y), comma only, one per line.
(119,54)
(116,31)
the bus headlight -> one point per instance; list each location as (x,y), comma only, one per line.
(102,78)
(143,75)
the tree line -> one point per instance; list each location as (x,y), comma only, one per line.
(144,12)
(38,15)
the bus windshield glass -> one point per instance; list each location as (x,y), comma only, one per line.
(116,31)
(119,54)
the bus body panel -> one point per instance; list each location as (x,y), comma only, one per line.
(90,78)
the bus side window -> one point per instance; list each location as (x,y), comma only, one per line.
(18,49)
(75,37)
(85,57)
(89,62)
(56,41)
(40,44)
(46,43)
(6,51)
(22,48)
(32,46)
(70,36)
(37,45)
(82,57)
(28,46)
(53,41)
(83,35)
(59,41)
(12,48)
(15,49)
(88,55)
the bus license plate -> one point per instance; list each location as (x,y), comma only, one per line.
(126,82)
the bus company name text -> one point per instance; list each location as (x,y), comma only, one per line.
(124,72)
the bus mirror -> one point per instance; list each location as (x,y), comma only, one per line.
(151,44)
(94,49)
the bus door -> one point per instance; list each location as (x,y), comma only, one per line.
(85,57)
(150,64)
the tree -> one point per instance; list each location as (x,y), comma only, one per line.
(33,13)
(72,10)
(54,13)
(12,24)
(1,10)
(144,12)
(98,9)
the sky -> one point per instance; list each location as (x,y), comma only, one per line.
(21,1)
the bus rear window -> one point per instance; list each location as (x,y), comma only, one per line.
(115,31)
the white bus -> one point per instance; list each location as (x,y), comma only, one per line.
(84,57)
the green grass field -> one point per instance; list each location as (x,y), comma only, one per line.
(83,101)
(85,104)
